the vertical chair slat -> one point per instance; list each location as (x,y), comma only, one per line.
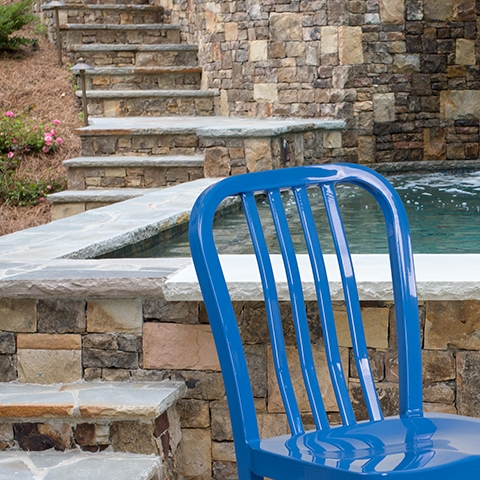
(273,314)
(325,306)
(298,310)
(352,303)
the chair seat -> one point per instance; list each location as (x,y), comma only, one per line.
(432,447)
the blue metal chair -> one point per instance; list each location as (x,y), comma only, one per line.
(414,444)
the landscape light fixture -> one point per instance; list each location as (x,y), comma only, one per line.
(55,5)
(80,68)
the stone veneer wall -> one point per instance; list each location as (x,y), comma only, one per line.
(65,340)
(403,74)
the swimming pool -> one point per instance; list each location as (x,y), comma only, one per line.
(443,211)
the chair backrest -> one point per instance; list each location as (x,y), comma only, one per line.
(220,310)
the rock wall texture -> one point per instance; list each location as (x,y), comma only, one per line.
(404,74)
(65,340)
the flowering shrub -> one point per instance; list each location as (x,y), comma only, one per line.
(20,135)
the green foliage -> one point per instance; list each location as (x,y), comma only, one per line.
(13,17)
(20,135)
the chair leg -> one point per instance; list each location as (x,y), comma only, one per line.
(244,473)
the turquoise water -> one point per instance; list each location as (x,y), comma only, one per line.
(443,211)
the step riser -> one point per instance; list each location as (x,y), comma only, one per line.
(129,177)
(98,145)
(139,59)
(110,17)
(135,107)
(129,37)
(164,81)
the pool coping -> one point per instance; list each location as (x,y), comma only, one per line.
(58,264)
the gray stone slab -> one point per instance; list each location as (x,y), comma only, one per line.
(164,47)
(105,94)
(135,161)
(83,6)
(112,195)
(77,465)
(125,27)
(142,70)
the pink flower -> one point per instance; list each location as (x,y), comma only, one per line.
(49,187)
(10,154)
(35,127)
(9,114)
(59,141)
(56,122)
(41,199)
(48,137)
(53,131)
(14,141)
(45,149)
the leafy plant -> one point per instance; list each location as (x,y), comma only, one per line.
(13,17)
(23,192)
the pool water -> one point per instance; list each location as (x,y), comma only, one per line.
(443,211)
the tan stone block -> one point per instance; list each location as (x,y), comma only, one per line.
(257,50)
(375,324)
(392,11)
(272,425)
(216,162)
(286,27)
(111,108)
(329,40)
(275,404)
(49,366)
(224,105)
(258,154)
(439,393)
(231,31)
(224,451)
(6,432)
(195,455)
(465,52)
(460,104)
(384,107)
(438,10)
(15,411)
(115,172)
(365,149)
(59,432)
(452,325)
(114,315)
(438,366)
(47,341)
(439,407)
(435,143)
(265,92)
(179,347)
(210,18)
(18,315)
(332,139)
(350,50)
(464,10)
(406,63)
(64,210)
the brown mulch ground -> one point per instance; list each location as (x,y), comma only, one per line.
(32,81)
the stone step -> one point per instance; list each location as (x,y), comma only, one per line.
(132,172)
(146,33)
(162,55)
(143,78)
(133,417)
(116,14)
(78,465)
(72,202)
(128,103)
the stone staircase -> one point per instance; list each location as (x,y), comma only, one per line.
(141,69)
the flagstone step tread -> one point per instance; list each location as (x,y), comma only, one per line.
(112,195)
(142,70)
(85,401)
(121,47)
(135,161)
(215,126)
(114,26)
(147,93)
(51,465)
(106,6)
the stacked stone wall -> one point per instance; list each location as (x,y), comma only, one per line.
(404,74)
(65,340)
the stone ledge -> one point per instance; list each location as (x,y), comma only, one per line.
(135,161)
(425,166)
(88,401)
(74,465)
(142,70)
(133,48)
(113,26)
(100,196)
(101,94)
(83,6)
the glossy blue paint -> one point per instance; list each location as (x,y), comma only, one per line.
(411,445)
